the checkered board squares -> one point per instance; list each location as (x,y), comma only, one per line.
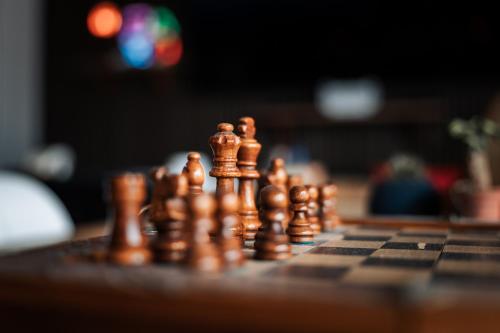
(382,257)
(469,259)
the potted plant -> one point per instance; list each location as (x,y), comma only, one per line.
(476,197)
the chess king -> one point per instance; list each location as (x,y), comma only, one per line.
(247,163)
(225,145)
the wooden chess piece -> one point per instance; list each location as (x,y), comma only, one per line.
(230,235)
(294,180)
(202,254)
(328,202)
(247,163)
(271,241)
(313,210)
(195,173)
(276,175)
(225,145)
(128,244)
(169,217)
(299,228)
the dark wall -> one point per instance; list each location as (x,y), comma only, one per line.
(265,59)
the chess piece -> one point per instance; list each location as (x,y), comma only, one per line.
(313,210)
(247,162)
(294,180)
(271,241)
(277,176)
(169,216)
(202,254)
(328,202)
(195,173)
(225,145)
(299,228)
(128,244)
(230,236)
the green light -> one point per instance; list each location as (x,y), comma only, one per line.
(166,22)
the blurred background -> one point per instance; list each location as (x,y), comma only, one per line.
(91,88)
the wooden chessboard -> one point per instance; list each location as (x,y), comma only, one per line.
(420,276)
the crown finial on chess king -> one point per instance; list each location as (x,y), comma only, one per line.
(247,163)
(128,244)
(225,145)
(195,173)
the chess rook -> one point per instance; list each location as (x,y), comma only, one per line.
(271,241)
(169,214)
(313,209)
(230,235)
(195,173)
(247,163)
(128,244)
(299,228)
(202,254)
(225,145)
(328,212)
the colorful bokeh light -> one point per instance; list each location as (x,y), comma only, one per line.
(104,20)
(168,51)
(148,36)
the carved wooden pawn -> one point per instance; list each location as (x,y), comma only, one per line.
(202,254)
(328,202)
(230,235)
(293,180)
(277,175)
(271,241)
(195,173)
(170,218)
(313,209)
(299,228)
(128,244)
(247,163)
(225,145)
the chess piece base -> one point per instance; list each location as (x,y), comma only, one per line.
(130,256)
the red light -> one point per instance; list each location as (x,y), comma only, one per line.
(168,51)
(104,20)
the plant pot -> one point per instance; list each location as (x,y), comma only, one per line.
(482,205)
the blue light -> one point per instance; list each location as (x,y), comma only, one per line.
(137,50)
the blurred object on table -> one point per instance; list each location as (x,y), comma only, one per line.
(404,189)
(31,215)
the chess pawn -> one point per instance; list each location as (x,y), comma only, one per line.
(271,241)
(202,254)
(313,209)
(247,163)
(293,180)
(128,244)
(195,173)
(277,176)
(225,145)
(230,234)
(299,228)
(156,210)
(170,244)
(328,201)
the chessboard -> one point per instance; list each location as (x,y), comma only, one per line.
(358,277)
